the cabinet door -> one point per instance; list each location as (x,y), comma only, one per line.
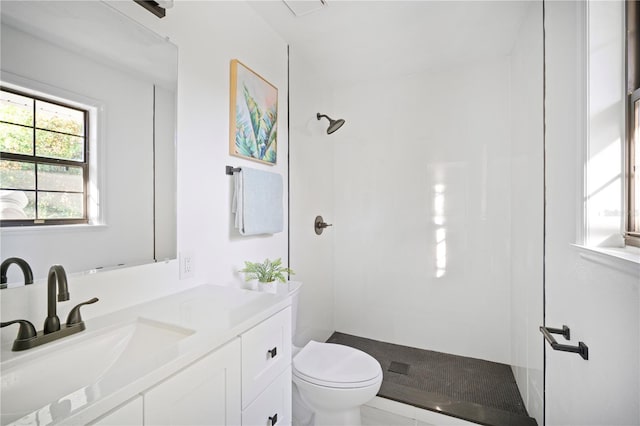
(205,393)
(266,352)
(128,414)
(272,406)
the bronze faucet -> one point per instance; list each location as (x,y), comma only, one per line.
(27,336)
(26,270)
(56,274)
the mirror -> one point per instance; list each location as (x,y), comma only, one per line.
(90,54)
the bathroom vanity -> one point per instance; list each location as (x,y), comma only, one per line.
(208,355)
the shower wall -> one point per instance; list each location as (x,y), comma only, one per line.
(311,190)
(434,188)
(422,210)
(527,211)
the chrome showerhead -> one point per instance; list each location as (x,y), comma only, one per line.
(333,124)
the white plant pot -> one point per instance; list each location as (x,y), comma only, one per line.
(271,287)
(251,285)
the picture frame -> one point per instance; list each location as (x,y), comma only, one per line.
(253,115)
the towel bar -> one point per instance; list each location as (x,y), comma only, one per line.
(229,170)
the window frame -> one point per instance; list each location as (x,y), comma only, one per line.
(35,159)
(632,90)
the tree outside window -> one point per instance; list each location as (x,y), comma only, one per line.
(43,161)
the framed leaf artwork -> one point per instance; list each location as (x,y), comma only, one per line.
(253,115)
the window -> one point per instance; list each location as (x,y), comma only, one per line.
(43,161)
(633,121)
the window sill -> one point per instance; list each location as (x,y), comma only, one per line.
(623,259)
(40,229)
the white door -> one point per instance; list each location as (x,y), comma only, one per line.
(596,296)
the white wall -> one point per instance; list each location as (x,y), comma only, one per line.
(208,36)
(422,200)
(527,210)
(311,173)
(595,296)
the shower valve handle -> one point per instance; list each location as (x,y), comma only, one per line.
(319,224)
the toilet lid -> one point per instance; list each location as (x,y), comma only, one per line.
(329,364)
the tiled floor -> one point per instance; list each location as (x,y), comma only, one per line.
(480,391)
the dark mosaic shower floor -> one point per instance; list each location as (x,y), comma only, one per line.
(479,391)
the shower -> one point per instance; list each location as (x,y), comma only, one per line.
(333,124)
(402,268)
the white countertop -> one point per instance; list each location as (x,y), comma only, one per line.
(213,315)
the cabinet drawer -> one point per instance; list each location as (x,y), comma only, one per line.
(272,406)
(266,352)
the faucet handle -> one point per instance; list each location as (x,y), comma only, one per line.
(74,315)
(25,332)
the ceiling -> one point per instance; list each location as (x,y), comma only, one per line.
(107,35)
(347,41)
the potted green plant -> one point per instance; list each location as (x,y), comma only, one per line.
(266,273)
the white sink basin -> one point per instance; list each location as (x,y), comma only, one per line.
(53,381)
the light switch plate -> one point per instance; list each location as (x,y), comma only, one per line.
(187,265)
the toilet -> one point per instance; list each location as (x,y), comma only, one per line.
(330,381)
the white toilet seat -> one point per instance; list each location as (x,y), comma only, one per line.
(336,366)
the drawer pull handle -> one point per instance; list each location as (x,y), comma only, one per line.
(273,420)
(273,352)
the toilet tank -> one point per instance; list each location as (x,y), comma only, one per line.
(294,292)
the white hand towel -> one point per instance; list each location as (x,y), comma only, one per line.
(257,202)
